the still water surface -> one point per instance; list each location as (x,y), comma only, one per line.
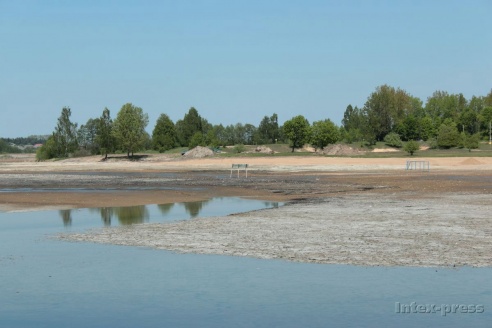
(50,283)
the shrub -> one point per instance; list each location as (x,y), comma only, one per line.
(411,147)
(393,139)
(239,148)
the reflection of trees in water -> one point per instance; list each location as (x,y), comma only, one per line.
(271,204)
(194,208)
(132,214)
(165,208)
(106,215)
(66,216)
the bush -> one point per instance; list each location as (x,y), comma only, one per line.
(239,148)
(393,139)
(471,141)
(448,136)
(411,147)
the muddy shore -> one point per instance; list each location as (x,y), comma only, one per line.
(371,216)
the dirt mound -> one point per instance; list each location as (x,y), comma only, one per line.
(199,152)
(341,150)
(471,161)
(263,150)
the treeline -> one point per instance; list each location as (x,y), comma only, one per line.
(20,145)
(389,114)
(393,115)
(126,133)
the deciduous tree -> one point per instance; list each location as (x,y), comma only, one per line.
(298,131)
(129,128)
(324,133)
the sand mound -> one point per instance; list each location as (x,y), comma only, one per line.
(199,152)
(471,161)
(263,150)
(341,150)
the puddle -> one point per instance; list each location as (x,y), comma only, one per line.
(49,283)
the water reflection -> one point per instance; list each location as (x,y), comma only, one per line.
(129,215)
(66,216)
(194,208)
(132,214)
(165,208)
(271,204)
(106,215)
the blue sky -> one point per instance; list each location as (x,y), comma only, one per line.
(234,61)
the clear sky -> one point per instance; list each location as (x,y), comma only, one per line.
(233,60)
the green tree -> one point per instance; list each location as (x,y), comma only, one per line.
(188,126)
(87,135)
(104,136)
(427,129)
(485,118)
(411,147)
(197,140)
(164,135)
(448,135)
(268,129)
(65,135)
(471,141)
(47,150)
(385,109)
(324,133)
(298,131)
(129,128)
(442,105)
(410,128)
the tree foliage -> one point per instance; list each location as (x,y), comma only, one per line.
(471,141)
(129,128)
(411,147)
(448,135)
(65,135)
(324,133)
(104,136)
(298,131)
(385,109)
(164,134)
(188,126)
(268,130)
(392,139)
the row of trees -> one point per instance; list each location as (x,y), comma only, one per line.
(445,118)
(127,133)
(389,115)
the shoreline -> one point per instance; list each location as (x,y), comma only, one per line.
(426,234)
(349,216)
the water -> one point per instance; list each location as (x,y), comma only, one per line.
(50,283)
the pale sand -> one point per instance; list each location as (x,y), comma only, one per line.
(267,163)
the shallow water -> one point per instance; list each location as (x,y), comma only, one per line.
(50,283)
